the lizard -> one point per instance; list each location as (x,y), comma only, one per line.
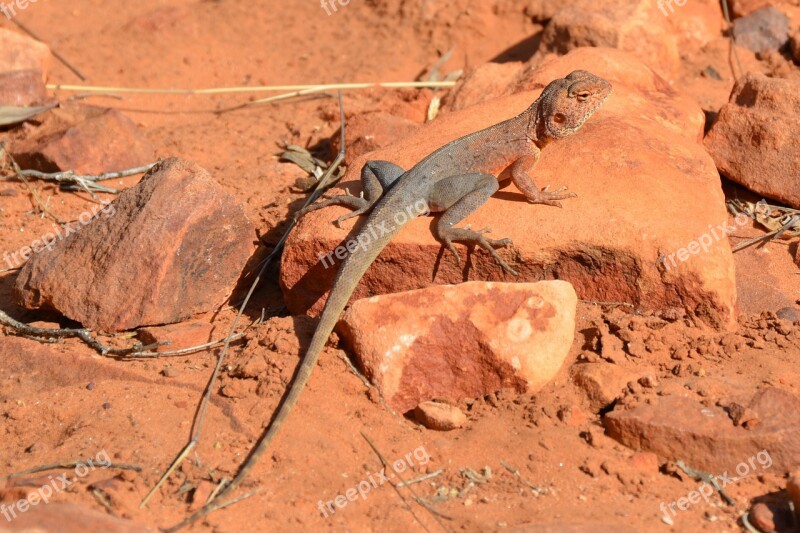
(454,180)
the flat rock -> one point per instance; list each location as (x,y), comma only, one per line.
(641,149)
(58,517)
(22,88)
(172,246)
(180,336)
(754,139)
(763,29)
(91,141)
(705,438)
(462,341)
(440,416)
(20,52)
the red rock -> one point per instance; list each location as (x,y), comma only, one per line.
(372,131)
(182,335)
(638,27)
(762,30)
(22,88)
(489,80)
(472,339)
(696,24)
(57,517)
(602,382)
(754,140)
(762,518)
(677,427)
(793,491)
(439,416)
(101,140)
(740,8)
(20,52)
(639,150)
(170,247)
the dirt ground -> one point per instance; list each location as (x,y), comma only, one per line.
(62,401)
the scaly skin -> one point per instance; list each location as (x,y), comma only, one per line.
(456,180)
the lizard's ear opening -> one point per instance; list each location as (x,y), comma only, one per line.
(559,118)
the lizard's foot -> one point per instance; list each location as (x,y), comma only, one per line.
(359,204)
(468,236)
(551,198)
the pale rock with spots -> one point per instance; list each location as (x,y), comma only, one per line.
(452,342)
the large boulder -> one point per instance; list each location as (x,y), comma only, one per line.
(639,230)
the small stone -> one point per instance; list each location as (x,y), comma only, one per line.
(602,382)
(90,386)
(439,416)
(793,491)
(762,518)
(762,30)
(649,381)
(572,416)
(170,372)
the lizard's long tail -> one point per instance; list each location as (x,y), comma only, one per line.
(382,224)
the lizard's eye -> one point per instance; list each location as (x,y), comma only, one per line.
(583,96)
(559,118)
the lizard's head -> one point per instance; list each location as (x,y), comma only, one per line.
(567,103)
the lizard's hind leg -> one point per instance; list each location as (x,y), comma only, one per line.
(376,177)
(458,197)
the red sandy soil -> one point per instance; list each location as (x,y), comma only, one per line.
(62,401)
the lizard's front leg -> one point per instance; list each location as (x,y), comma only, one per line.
(458,197)
(376,177)
(524,182)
